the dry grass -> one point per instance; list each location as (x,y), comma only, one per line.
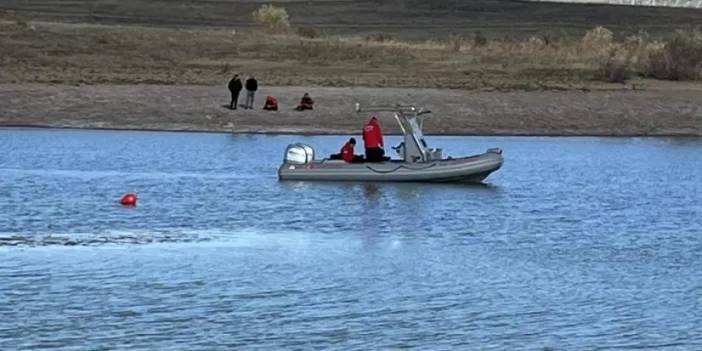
(75,53)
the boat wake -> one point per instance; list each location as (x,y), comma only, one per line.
(105,238)
(240,237)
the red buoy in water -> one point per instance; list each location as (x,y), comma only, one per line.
(128,199)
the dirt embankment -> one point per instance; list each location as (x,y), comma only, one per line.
(662,111)
(489,66)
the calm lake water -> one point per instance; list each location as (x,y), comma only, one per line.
(575,244)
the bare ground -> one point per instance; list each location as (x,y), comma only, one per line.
(671,110)
(162,65)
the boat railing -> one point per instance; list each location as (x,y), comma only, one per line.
(411,120)
(403,109)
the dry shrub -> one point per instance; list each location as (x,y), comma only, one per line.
(535,43)
(273,18)
(657,62)
(22,23)
(479,39)
(309,32)
(638,46)
(454,42)
(551,38)
(637,41)
(596,46)
(504,52)
(614,66)
(598,36)
(680,58)
(379,37)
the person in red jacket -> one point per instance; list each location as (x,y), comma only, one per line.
(346,153)
(347,150)
(373,141)
(271,104)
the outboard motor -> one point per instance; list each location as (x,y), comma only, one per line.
(298,154)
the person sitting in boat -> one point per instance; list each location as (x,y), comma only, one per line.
(346,153)
(373,141)
(306,103)
(271,104)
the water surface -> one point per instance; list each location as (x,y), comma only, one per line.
(575,244)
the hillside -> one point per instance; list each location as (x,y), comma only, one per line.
(410,18)
(498,67)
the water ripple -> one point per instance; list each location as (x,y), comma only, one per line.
(577,244)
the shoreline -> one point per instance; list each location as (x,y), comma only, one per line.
(666,111)
(283,132)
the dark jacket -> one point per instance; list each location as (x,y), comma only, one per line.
(306,101)
(235,85)
(251,84)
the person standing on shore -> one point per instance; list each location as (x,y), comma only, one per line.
(234,88)
(251,87)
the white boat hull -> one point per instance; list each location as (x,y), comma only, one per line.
(473,169)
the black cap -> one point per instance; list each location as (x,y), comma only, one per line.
(352,141)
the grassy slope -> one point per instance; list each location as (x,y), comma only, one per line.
(203,42)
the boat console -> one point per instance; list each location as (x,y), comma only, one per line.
(413,148)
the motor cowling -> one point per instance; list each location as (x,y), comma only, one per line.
(298,153)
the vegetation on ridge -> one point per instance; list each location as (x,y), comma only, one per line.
(86,53)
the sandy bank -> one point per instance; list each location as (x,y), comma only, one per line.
(664,111)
